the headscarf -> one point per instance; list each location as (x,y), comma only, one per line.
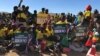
(88,8)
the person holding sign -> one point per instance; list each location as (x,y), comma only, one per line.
(62,20)
(80,18)
(87,15)
(20,39)
(21,15)
(42,17)
(49,31)
(16,10)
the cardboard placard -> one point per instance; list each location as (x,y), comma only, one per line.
(20,38)
(80,31)
(60,28)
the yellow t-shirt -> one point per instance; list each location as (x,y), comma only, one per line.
(39,35)
(17,31)
(5,28)
(41,18)
(60,22)
(80,18)
(87,13)
(10,32)
(49,32)
(2,32)
(49,43)
(22,15)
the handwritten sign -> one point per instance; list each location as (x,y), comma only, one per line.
(20,38)
(80,31)
(60,28)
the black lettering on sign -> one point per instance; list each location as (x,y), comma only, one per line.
(60,28)
(20,39)
(80,31)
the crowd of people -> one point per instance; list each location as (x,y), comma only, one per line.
(22,20)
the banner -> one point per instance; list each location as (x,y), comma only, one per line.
(80,31)
(20,38)
(60,28)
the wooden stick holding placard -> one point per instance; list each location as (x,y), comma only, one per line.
(20,3)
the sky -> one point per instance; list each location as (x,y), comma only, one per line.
(54,6)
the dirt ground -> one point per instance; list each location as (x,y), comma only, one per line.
(72,53)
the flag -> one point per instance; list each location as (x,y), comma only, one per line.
(88,42)
(92,51)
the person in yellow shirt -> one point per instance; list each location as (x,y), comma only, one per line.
(63,20)
(39,35)
(5,28)
(80,18)
(22,16)
(17,30)
(49,30)
(49,34)
(43,11)
(10,33)
(3,32)
(88,11)
(87,15)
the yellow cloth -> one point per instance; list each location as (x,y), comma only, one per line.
(22,15)
(49,43)
(55,18)
(17,31)
(60,22)
(39,35)
(41,18)
(5,28)
(49,32)
(10,32)
(2,32)
(41,12)
(87,13)
(80,18)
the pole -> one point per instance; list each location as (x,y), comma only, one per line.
(20,3)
